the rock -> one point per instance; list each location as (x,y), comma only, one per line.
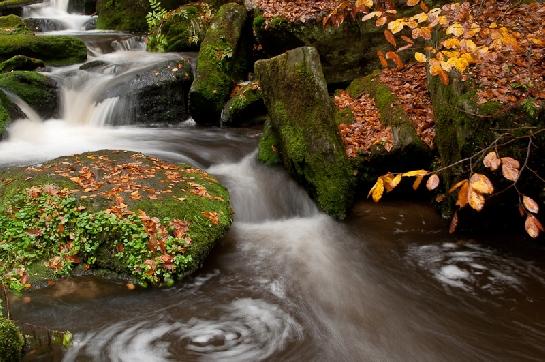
(17,39)
(15,7)
(11,341)
(221,62)
(116,213)
(38,90)
(20,62)
(95,65)
(302,119)
(183,30)
(124,15)
(345,52)
(40,25)
(87,7)
(156,95)
(268,146)
(409,152)
(90,24)
(245,107)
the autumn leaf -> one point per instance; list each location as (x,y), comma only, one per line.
(396,26)
(453,223)
(443,76)
(463,194)
(417,182)
(530,204)
(390,181)
(476,200)
(381,21)
(421,58)
(412,2)
(532,226)
(382,59)
(395,58)
(510,168)
(377,190)
(424,7)
(390,37)
(371,15)
(366,3)
(481,184)
(492,161)
(455,29)
(415,173)
(433,182)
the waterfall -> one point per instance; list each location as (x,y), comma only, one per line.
(23,106)
(61,5)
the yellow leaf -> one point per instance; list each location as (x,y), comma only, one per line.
(391,181)
(420,17)
(412,2)
(481,184)
(476,200)
(455,29)
(381,21)
(492,161)
(451,43)
(463,194)
(433,182)
(371,15)
(468,45)
(530,204)
(415,173)
(420,58)
(510,168)
(532,226)
(377,191)
(457,186)
(396,26)
(417,182)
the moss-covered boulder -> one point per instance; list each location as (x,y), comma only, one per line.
(124,15)
(156,95)
(17,39)
(407,151)
(116,212)
(20,62)
(221,62)
(245,107)
(36,89)
(182,29)
(11,341)
(268,146)
(346,51)
(302,119)
(15,7)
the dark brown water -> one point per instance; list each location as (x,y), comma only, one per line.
(287,283)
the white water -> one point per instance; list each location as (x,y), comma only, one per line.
(57,10)
(31,115)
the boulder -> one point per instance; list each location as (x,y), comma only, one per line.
(245,107)
(15,7)
(11,341)
(118,214)
(17,39)
(302,120)
(124,15)
(20,62)
(87,7)
(221,62)
(36,89)
(40,25)
(156,95)
(268,146)
(183,30)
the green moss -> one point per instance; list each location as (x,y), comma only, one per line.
(245,106)
(20,62)
(36,89)
(12,24)
(268,146)
(221,62)
(4,115)
(124,15)
(11,341)
(53,50)
(40,226)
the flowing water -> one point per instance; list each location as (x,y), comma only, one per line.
(287,283)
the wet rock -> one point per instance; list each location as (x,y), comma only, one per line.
(221,62)
(90,24)
(95,65)
(87,7)
(124,15)
(156,95)
(42,25)
(152,230)
(11,341)
(20,62)
(15,7)
(245,107)
(302,120)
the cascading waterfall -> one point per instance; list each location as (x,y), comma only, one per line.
(61,5)
(57,10)
(30,113)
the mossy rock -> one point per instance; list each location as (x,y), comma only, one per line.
(53,50)
(182,30)
(36,89)
(15,7)
(20,62)
(268,146)
(245,107)
(221,62)
(120,212)
(124,15)
(303,122)
(11,341)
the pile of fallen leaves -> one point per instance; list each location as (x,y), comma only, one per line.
(367,129)
(409,87)
(296,10)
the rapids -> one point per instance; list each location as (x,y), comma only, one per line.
(287,283)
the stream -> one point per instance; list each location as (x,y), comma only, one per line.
(287,283)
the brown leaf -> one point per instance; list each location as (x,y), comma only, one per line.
(510,168)
(443,76)
(481,184)
(433,182)
(492,161)
(382,59)
(453,223)
(532,226)
(417,182)
(390,38)
(476,199)
(463,195)
(457,186)
(395,58)
(530,204)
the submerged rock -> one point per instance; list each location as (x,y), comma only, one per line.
(221,62)
(11,341)
(302,120)
(20,62)
(115,213)
(245,107)
(156,95)
(40,25)
(17,39)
